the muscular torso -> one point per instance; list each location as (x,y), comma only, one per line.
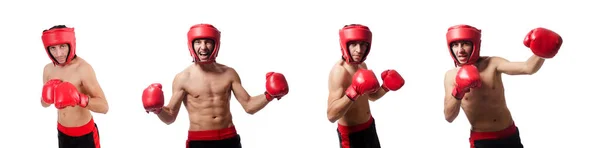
(360,111)
(208,97)
(485,107)
(71,116)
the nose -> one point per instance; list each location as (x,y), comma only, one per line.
(62,52)
(202,47)
(360,49)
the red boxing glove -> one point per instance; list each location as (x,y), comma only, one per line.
(363,82)
(48,90)
(277,86)
(467,77)
(391,80)
(153,98)
(66,94)
(543,42)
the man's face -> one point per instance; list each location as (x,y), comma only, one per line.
(357,50)
(462,50)
(203,48)
(59,52)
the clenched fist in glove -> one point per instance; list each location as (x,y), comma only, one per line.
(153,98)
(48,90)
(543,42)
(66,94)
(277,86)
(391,80)
(363,82)
(467,77)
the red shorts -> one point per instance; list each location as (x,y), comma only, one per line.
(362,135)
(508,137)
(83,136)
(222,138)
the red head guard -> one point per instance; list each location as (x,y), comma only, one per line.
(464,33)
(354,32)
(59,36)
(204,31)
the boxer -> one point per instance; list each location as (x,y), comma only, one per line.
(205,89)
(476,84)
(352,85)
(70,84)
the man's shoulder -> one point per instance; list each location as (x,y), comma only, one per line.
(337,69)
(452,71)
(48,66)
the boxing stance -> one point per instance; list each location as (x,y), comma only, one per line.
(476,84)
(352,85)
(205,89)
(70,84)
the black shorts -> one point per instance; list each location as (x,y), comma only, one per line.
(223,138)
(86,136)
(359,136)
(507,138)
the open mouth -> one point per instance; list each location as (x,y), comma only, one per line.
(203,53)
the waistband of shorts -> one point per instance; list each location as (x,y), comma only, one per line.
(219,134)
(78,131)
(494,135)
(355,128)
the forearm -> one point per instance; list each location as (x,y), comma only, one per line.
(338,108)
(451,108)
(255,104)
(166,115)
(534,63)
(98,105)
(377,95)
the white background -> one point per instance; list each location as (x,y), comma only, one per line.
(133,44)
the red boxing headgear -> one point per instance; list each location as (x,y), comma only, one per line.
(354,32)
(59,36)
(204,31)
(464,33)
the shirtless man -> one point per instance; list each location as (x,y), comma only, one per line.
(352,85)
(476,84)
(205,89)
(70,84)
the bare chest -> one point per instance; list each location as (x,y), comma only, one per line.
(208,85)
(491,91)
(70,75)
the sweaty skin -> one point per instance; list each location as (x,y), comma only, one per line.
(205,91)
(82,75)
(339,107)
(485,107)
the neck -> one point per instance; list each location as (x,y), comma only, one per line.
(351,65)
(73,61)
(206,66)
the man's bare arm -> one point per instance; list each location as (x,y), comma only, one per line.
(45,79)
(337,103)
(531,66)
(169,113)
(250,104)
(377,95)
(451,104)
(97,101)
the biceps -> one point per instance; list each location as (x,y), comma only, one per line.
(176,99)
(512,68)
(239,92)
(93,88)
(335,94)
